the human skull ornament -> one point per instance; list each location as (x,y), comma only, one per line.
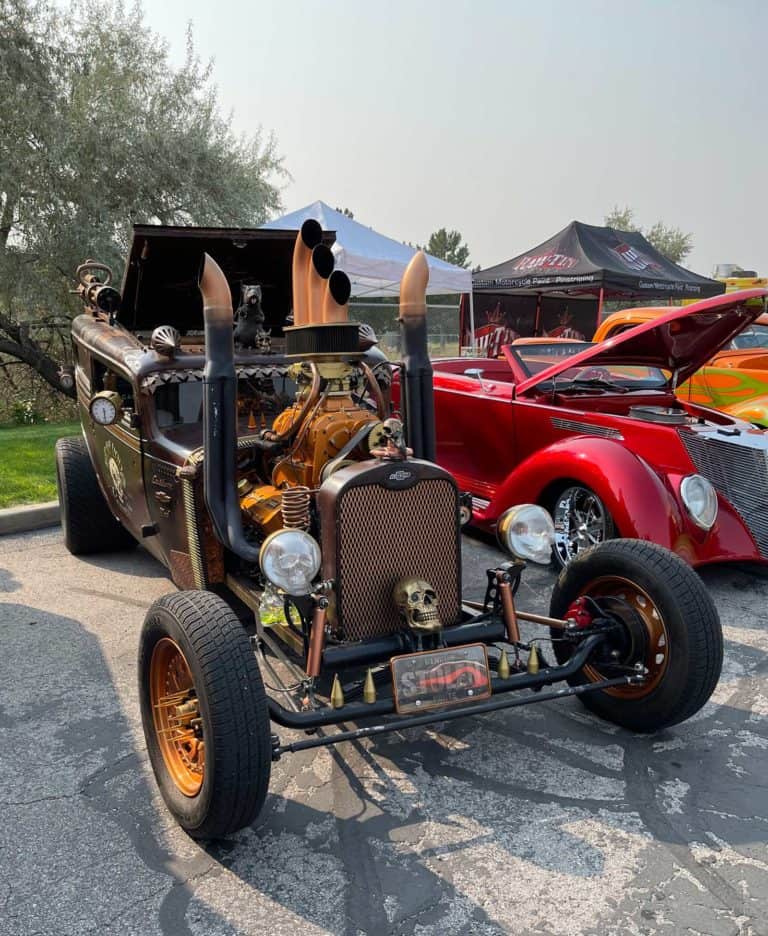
(417,603)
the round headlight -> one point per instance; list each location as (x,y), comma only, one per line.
(700,499)
(527,532)
(290,559)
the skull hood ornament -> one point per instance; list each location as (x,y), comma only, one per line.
(417,603)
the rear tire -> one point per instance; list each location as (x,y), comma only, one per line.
(682,644)
(194,651)
(87,521)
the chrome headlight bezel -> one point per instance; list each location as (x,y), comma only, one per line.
(527,532)
(300,554)
(699,496)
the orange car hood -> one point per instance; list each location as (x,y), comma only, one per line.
(681,341)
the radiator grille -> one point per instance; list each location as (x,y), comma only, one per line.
(383,535)
(740,474)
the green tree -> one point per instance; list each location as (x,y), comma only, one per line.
(672,242)
(98,130)
(448,246)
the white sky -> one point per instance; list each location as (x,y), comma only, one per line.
(505,120)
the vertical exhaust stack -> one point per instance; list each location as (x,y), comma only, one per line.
(310,235)
(220,412)
(320,270)
(336,297)
(416,371)
(321,330)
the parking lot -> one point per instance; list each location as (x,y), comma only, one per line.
(534,820)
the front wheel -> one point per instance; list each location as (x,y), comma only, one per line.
(669,627)
(581,521)
(205,715)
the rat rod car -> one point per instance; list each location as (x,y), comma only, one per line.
(595,434)
(243,466)
(734,381)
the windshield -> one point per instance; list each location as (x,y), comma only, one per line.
(536,358)
(181,404)
(756,336)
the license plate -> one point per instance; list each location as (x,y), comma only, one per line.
(437,678)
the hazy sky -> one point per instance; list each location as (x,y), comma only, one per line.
(505,120)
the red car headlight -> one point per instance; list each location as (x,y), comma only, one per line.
(700,499)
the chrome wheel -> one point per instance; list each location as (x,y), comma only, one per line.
(581,522)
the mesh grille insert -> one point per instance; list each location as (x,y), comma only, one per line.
(740,474)
(383,535)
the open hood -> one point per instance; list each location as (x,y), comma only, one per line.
(160,282)
(681,341)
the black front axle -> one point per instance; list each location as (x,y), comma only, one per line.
(358,711)
(478,708)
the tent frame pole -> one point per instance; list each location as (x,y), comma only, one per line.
(599,308)
(471,321)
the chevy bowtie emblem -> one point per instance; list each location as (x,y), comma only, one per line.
(400,475)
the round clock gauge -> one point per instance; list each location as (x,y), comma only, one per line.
(105,408)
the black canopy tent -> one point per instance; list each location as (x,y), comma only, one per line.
(567,278)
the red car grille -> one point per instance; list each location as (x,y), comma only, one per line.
(740,474)
(383,535)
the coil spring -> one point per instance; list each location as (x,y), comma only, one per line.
(295,508)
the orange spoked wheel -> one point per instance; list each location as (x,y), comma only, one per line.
(176,712)
(664,625)
(205,713)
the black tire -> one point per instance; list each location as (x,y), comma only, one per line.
(87,521)
(564,507)
(692,648)
(232,705)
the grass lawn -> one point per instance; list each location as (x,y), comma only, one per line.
(27,469)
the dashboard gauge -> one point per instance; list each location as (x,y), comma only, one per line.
(106,407)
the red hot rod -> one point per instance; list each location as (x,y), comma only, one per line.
(595,434)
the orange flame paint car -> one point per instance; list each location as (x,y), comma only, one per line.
(735,380)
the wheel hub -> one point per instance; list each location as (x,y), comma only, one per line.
(177,719)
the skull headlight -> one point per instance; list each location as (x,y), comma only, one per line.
(290,559)
(527,532)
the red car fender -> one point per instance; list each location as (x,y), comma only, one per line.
(637,499)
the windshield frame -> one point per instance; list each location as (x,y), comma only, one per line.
(578,382)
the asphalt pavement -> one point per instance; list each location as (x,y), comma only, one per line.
(536,820)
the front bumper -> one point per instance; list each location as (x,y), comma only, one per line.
(499,700)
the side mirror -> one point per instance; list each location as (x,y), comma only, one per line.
(476,372)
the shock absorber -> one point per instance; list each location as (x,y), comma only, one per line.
(295,507)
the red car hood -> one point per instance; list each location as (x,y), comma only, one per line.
(681,341)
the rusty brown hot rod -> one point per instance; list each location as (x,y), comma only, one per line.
(254,456)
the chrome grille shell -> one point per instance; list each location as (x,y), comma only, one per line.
(378,527)
(739,472)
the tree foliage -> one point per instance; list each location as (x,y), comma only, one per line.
(448,246)
(672,242)
(98,130)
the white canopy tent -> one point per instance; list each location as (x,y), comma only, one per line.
(374,263)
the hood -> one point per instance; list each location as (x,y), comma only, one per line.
(681,341)
(160,282)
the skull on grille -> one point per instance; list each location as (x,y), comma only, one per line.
(416,601)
